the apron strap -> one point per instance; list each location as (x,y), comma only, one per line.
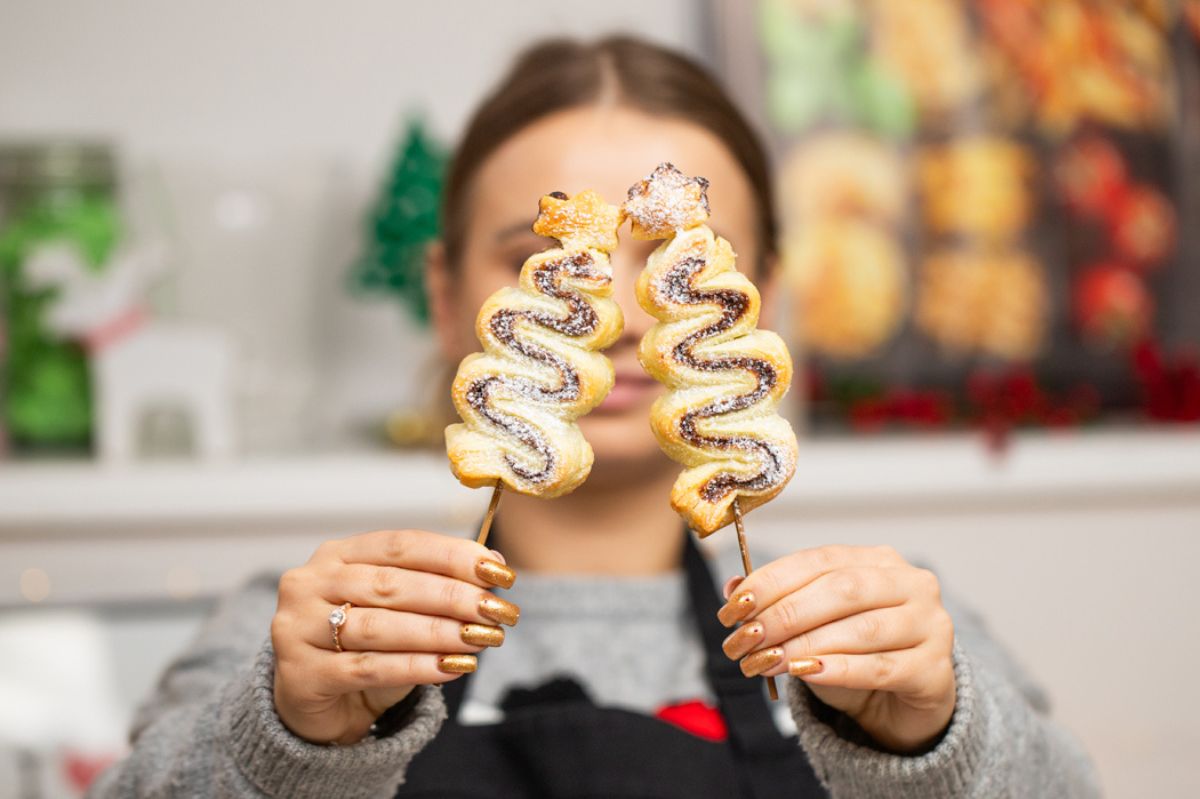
(752,730)
(453,693)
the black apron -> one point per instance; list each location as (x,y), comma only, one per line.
(564,746)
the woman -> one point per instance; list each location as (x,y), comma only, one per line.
(620,618)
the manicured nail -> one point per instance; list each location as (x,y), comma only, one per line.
(802,666)
(761,661)
(494,573)
(457,664)
(738,607)
(499,611)
(731,585)
(481,635)
(743,640)
(498,555)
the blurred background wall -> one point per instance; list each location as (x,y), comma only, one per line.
(267,88)
(284,118)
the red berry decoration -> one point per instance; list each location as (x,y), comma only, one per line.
(1112,306)
(1142,227)
(869,414)
(1170,385)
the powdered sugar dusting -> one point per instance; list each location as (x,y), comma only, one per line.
(665,202)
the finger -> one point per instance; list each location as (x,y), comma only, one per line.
(419,592)
(897,671)
(833,596)
(770,583)
(878,630)
(345,672)
(398,631)
(420,550)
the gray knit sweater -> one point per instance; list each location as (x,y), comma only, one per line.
(211,729)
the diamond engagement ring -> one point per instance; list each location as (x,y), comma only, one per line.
(336,619)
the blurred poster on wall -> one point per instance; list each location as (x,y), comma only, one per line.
(985,204)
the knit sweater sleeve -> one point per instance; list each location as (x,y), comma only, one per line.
(1000,742)
(210,729)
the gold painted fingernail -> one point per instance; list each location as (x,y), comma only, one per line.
(457,664)
(743,640)
(499,611)
(739,606)
(763,660)
(495,573)
(481,635)
(802,666)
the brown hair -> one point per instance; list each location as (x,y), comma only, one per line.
(560,74)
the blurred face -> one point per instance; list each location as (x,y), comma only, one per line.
(606,148)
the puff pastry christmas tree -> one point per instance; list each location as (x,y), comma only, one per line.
(541,368)
(726,377)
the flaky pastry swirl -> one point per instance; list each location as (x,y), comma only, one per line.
(719,418)
(540,368)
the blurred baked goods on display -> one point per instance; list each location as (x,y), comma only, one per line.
(1160,12)
(1090,174)
(1137,222)
(844,174)
(977,187)
(989,296)
(994,302)
(928,45)
(844,196)
(1111,306)
(1132,232)
(1142,227)
(1059,64)
(1016,175)
(1191,12)
(851,283)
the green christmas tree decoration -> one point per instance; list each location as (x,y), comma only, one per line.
(405,219)
(47,396)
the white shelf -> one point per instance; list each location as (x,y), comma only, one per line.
(157,531)
(72,498)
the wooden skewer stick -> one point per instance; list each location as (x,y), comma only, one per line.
(486,527)
(772,690)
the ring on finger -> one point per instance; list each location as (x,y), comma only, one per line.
(337,619)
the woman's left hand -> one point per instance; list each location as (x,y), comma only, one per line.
(862,627)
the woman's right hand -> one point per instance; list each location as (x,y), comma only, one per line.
(415,597)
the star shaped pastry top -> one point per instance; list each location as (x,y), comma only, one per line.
(665,202)
(584,221)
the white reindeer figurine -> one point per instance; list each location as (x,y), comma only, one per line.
(136,362)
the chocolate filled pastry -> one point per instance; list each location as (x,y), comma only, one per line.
(541,368)
(719,418)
